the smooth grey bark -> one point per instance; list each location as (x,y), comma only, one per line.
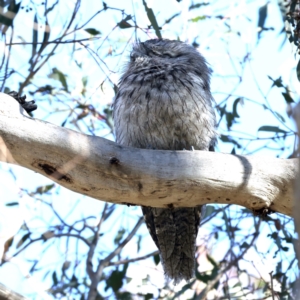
(107,171)
(8,294)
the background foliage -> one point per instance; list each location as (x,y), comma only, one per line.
(68,56)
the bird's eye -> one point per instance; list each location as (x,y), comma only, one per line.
(167,55)
(158,53)
(132,57)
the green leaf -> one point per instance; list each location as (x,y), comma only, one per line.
(91,238)
(272,129)
(277,82)
(8,243)
(8,18)
(199,18)
(12,204)
(230,119)
(54,278)
(124,24)
(288,97)
(171,18)
(156,258)
(34,36)
(206,277)
(115,280)
(262,15)
(92,31)
(58,75)
(202,277)
(210,275)
(13,7)
(273,235)
(288,237)
(47,235)
(74,280)
(119,236)
(148,296)
(234,107)
(229,139)
(66,265)
(139,243)
(44,189)
(84,80)
(45,37)
(84,83)
(279,116)
(45,90)
(197,5)
(209,209)
(23,239)
(244,245)
(123,296)
(211,260)
(152,20)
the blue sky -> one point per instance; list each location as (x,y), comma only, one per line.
(219,43)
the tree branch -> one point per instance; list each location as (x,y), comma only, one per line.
(107,171)
(95,276)
(8,294)
(126,261)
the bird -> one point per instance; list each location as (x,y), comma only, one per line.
(164,102)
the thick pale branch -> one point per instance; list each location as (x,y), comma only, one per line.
(105,170)
(8,294)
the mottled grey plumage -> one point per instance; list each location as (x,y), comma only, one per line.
(164,102)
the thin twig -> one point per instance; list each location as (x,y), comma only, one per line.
(48,238)
(272,288)
(95,278)
(56,41)
(93,245)
(126,261)
(211,284)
